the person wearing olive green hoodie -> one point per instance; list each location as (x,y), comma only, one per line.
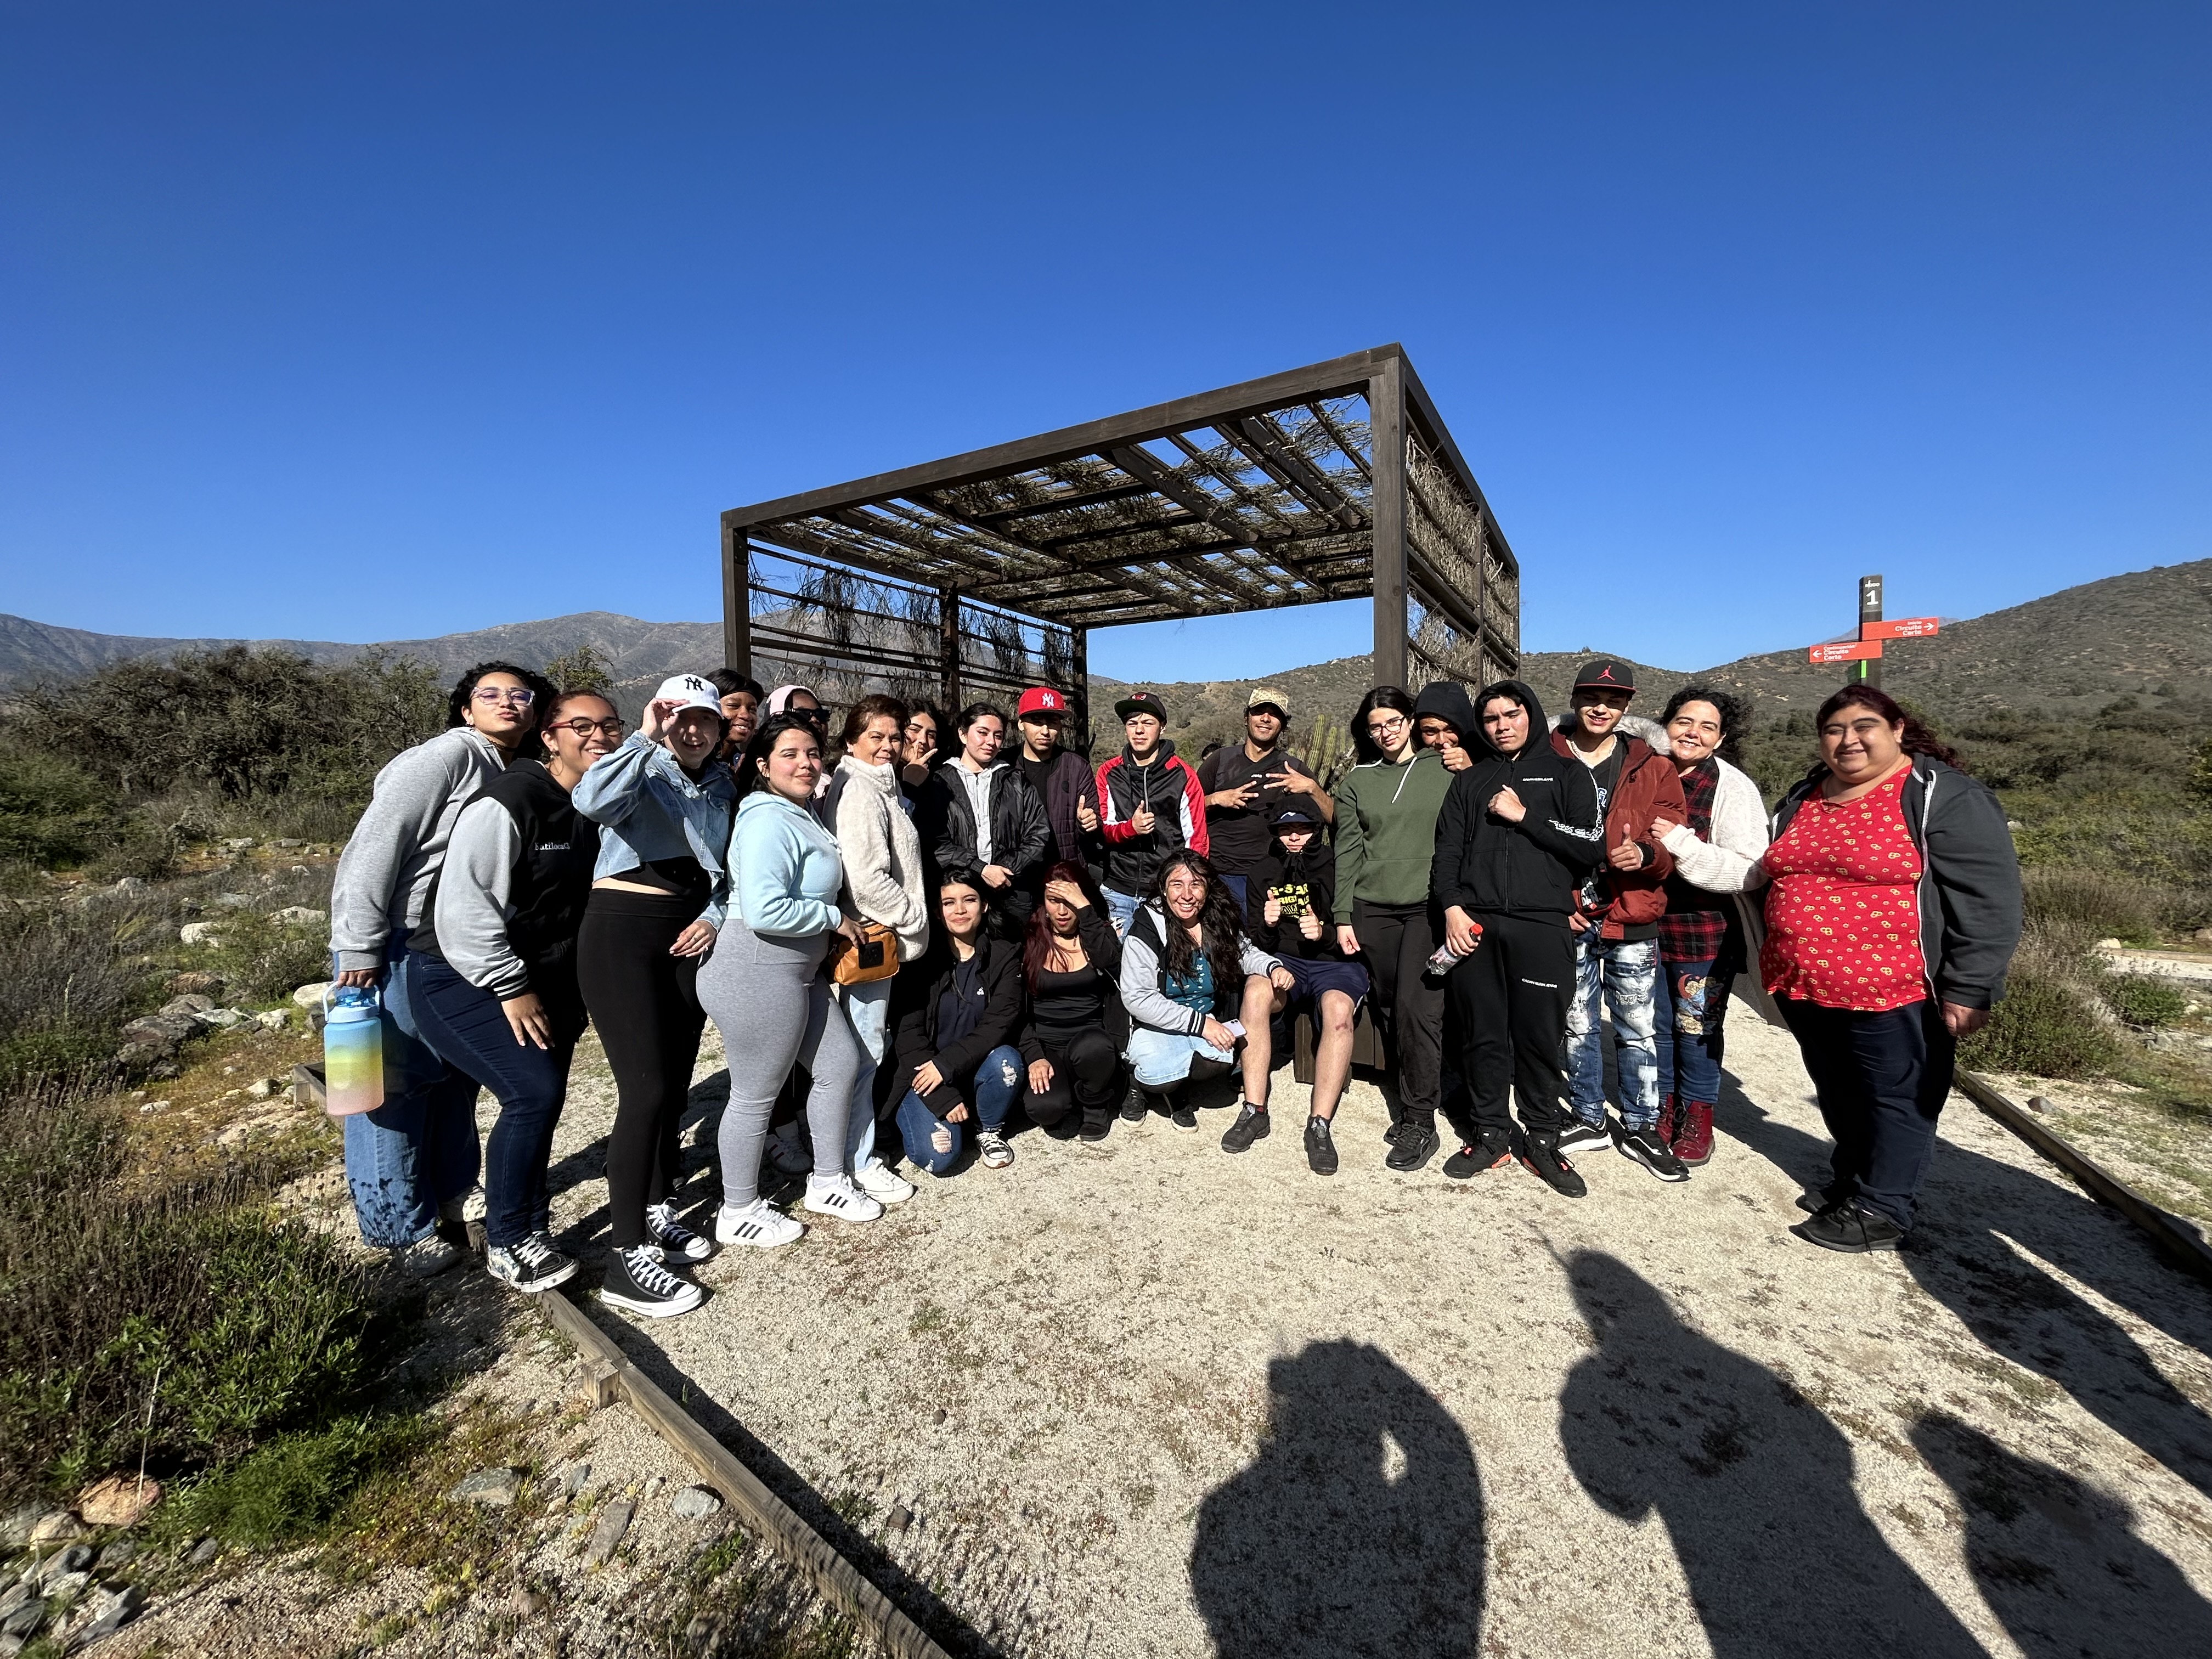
(1386,838)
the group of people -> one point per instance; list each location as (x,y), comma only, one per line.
(962,920)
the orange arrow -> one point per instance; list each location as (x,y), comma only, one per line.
(1847,650)
(1904,627)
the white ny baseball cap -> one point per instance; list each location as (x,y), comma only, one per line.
(690,691)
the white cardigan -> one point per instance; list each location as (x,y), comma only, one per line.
(1728,861)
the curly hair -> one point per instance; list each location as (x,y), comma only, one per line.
(1912,736)
(541,689)
(1220,924)
(1734,718)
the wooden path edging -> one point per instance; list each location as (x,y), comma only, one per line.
(2178,1242)
(611,1376)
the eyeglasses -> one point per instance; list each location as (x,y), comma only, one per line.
(1377,728)
(584,728)
(514,696)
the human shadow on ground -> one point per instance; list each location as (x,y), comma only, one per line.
(1358,1529)
(1754,1483)
(2011,1305)
(2058,1561)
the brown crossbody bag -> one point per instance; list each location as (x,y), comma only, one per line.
(876,956)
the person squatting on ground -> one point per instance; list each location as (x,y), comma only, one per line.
(1894,909)
(1291,913)
(1152,804)
(986,824)
(954,1023)
(768,989)
(1716,846)
(1199,993)
(1076,1028)
(495,967)
(1387,807)
(1063,780)
(1247,784)
(885,883)
(413,1161)
(663,805)
(1519,830)
(1615,921)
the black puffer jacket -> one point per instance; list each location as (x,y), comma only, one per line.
(915,996)
(1483,862)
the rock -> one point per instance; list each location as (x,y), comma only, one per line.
(694,1503)
(113,1605)
(191,1004)
(494,1488)
(653,1487)
(236,843)
(58,1527)
(901,1517)
(607,1531)
(77,1557)
(273,1019)
(704,1631)
(298,915)
(232,901)
(203,1553)
(223,1019)
(120,1554)
(199,982)
(259,1089)
(287,842)
(573,1479)
(67,1586)
(941,1412)
(311,996)
(2108,944)
(23,1622)
(16,1527)
(129,884)
(529,1604)
(198,932)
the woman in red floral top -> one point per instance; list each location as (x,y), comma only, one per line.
(1894,909)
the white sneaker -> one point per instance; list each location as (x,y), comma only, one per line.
(876,1180)
(838,1196)
(991,1149)
(759,1223)
(428,1256)
(788,1155)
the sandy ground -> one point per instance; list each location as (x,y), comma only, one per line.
(1149,1398)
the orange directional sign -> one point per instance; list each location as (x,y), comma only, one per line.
(1904,627)
(1847,650)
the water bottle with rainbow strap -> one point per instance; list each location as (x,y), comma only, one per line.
(353,1050)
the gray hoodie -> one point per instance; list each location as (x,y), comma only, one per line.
(394,852)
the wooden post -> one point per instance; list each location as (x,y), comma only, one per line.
(948,659)
(1386,418)
(1079,656)
(736,600)
(1869,610)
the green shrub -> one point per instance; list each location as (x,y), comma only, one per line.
(289,1488)
(51,810)
(2144,1001)
(263,960)
(2091,905)
(2044,1027)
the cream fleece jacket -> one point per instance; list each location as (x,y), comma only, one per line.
(1726,861)
(882,852)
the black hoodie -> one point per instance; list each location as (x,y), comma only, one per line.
(1530,868)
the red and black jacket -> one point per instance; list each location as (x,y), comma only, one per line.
(1171,789)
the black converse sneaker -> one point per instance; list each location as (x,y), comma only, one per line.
(1581,1134)
(637,1281)
(1321,1146)
(667,1237)
(532,1266)
(1251,1125)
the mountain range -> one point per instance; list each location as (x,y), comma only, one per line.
(2146,634)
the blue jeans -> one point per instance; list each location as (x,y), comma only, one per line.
(1693,1002)
(419,1149)
(932,1143)
(1237,886)
(1121,908)
(1159,1059)
(1624,974)
(469,1028)
(868,1007)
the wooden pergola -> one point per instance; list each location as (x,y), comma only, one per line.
(986,571)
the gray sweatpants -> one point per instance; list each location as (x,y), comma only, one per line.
(771,1002)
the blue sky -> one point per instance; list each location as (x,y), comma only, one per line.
(359,322)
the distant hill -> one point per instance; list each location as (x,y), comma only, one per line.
(2147,634)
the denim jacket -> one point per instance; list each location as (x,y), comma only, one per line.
(648,809)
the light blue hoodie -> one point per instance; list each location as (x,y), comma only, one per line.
(786,867)
(649,810)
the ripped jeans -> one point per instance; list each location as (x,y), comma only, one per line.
(933,1143)
(1624,974)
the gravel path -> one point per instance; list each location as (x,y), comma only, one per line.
(1149,1399)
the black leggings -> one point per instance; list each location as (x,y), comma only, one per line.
(1084,1070)
(645,1006)
(1396,942)
(1512,998)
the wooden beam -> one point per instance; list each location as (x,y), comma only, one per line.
(1343,439)
(1386,414)
(1297,474)
(1433,428)
(948,661)
(1080,672)
(736,600)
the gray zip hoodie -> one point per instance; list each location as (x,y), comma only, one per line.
(394,852)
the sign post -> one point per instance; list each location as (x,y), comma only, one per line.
(1869,669)
(1864,652)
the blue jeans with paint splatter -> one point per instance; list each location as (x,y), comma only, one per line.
(1693,1002)
(1621,975)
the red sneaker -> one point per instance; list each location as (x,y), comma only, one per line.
(1693,1139)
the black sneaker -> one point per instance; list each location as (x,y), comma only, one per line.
(1390,1135)
(1413,1147)
(1179,1114)
(1541,1152)
(1814,1202)
(1852,1227)
(1321,1146)
(1251,1125)
(1579,1135)
(1134,1108)
(1095,1126)
(666,1238)
(531,1267)
(1644,1147)
(636,1281)
(1483,1155)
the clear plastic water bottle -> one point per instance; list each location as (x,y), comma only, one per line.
(353,1050)
(1444,958)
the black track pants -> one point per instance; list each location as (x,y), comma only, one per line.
(1396,942)
(645,1006)
(1085,1070)
(1510,999)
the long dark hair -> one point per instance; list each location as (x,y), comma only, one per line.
(1220,923)
(1363,747)
(541,689)
(1914,739)
(1730,709)
(1037,938)
(750,777)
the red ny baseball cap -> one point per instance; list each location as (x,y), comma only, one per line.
(1040,700)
